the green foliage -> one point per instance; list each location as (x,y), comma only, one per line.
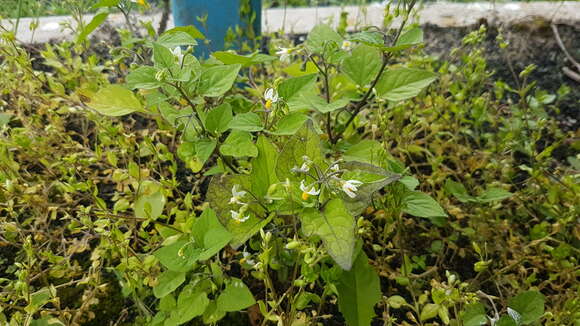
(356,181)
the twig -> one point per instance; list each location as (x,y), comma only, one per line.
(561,45)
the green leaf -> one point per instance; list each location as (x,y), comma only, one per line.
(209,234)
(168,282)
(506,321)
(422,205)
(97,20)
(179,256)
(239,144)
(218,195)
(230,58)
(291,88)
(404,83)
(216,81)
(5,118)
(363,65)
(192,302)
(114,101)
(458,191)
(218,119)
(190,29)
(172,39)
(320,36)
(370,38)
(290,123)
(235,297)
(429,311)
(304,143)
(335,226)
(264,167)
(412,36)
(212,314)
(374,179)
(396,301)
(163,57)
(367,151)
(529,304)
(143,77)
(474,315)
(493,194)
(359,290)
(150,200)
(246,122)
(106,3)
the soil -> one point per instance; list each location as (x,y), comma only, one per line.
(531,42)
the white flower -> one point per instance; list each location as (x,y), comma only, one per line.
(515,315)
(271,97)
(237,216)
(308,191)
(237,195)
(285,54)
(245,255)
(350,187)
(335,168)
(346,45)
(178,54)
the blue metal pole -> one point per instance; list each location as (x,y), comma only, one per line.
(221,15)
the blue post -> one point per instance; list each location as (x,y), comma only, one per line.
(221,15)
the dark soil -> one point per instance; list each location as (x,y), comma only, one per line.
(531,42)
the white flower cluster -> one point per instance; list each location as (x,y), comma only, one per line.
(237,196)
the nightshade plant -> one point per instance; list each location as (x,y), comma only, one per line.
(287,164)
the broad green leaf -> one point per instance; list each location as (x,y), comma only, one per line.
(246,122)
(218,119)
(106,3)
(114,101)
(493,194)
(290,123)
(5,118)
(422,205)
(363,65)
(143,77)
(190,29)
(219,194)
(172,39)
(411,37)
(291,88)
(209,234)
(216,81)
(370,38)
(192,302)
(319,38)
(458,191)
(97,20)
(410,182)
(264,167)
(212,314)
(304,143)
(403,83)
(168,282)
(179,256)
(367,151)
(529,304)
(163,57)
(474,315)
(359,290)
(150,200)
(429,311)
(335,226)
(46,321)
(230,58)
(235,297)
(167,303)
(396,301)
(506,321)
(374,179)
(239,144)
(299,69)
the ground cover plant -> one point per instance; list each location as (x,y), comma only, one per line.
(350,179)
